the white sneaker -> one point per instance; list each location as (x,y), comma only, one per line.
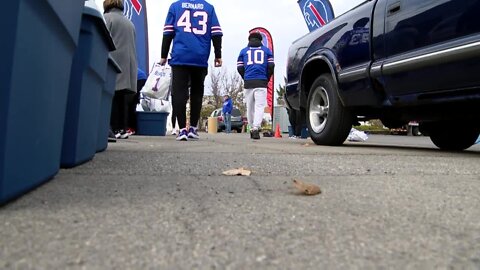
(182,135)
(174,132)
(130,132)
(123,135)
(192,133)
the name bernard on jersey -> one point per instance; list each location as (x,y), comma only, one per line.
(192,6)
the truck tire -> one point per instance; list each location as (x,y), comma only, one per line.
(329,123)
(453,139)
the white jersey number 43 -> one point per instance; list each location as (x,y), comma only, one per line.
(185,22)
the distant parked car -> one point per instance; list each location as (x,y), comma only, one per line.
(237,120)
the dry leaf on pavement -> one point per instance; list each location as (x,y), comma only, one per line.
(239,171)
(306,188)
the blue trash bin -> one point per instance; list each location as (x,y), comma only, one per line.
(87,80)
(39,39)
(106,104)
(152,123)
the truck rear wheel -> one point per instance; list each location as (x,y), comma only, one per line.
(329,123)
(453,139)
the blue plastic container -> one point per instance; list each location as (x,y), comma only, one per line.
(87,81)
(39,39)
(152,123)
(106,104)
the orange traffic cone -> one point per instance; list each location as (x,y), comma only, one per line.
(277,132)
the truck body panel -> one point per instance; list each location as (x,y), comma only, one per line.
(395,60)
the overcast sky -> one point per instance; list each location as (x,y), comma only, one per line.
(282,18)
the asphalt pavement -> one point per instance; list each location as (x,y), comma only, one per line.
(392,202)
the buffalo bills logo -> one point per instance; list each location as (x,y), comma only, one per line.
(265,40)
(317,13)
(131,6)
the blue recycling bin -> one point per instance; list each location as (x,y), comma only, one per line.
(106,104)
(39,39)
(152,123)
(87,80)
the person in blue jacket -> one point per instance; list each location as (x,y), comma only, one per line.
(227,113)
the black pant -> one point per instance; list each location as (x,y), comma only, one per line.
(174,118)
(294,117)
(182,76)
(119,118)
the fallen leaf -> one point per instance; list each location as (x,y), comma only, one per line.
(239,171)
(307,144)
(306,188)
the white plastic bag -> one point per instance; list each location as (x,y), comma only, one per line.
(160,105)
(154,105)
(357,136)
(158,82)
(144,105)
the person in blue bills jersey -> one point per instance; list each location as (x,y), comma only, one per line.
(256,65)
(193,26)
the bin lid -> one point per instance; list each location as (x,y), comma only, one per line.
(91,9)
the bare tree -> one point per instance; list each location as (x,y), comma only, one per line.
(223,82)
(216,83)
(281,92)
(233,85)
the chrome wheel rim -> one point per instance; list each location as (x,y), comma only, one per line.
(318,109)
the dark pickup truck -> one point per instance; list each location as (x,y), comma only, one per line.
(393,60)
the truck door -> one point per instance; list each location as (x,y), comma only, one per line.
(423,47)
